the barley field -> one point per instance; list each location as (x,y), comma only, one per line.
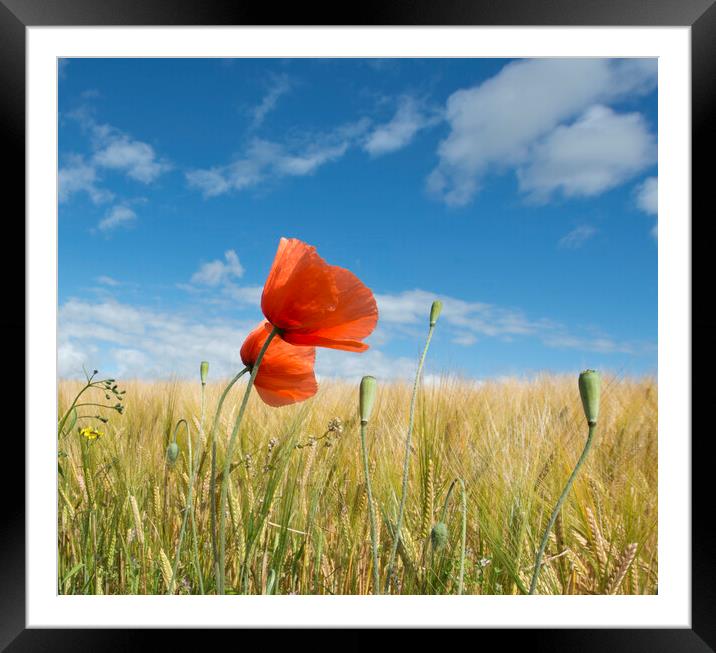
(131,521)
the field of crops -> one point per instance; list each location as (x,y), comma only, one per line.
(135,514)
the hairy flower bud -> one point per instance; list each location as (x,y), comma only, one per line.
(368,387)
(589,384)
(439,535)
(172,452)
(435,311)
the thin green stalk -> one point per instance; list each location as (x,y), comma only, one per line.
(557,508)
(406,463)
(189,499)
(227,463)
(464,527)
(197,564)
(212,510)
(371,511)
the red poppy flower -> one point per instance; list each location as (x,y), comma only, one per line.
(285,375)
(314,303)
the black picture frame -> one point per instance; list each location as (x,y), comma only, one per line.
(699,15)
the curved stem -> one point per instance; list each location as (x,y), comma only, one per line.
(62,421)
(212,437)
(406,463)
(560,501)
(227,461)
(371,512)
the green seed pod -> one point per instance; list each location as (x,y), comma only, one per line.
(368,387)
(435,311)
(204,371)
(172,452)
(439,536)
(589,383)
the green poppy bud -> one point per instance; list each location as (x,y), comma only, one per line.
(439,536)
(204,371)
(368,386)
(172,452)
(435,311)
(589,383)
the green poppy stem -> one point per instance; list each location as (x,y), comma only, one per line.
(406,463)
(371,511)
(227,462)
(170,589)
(558,507)
(212,437)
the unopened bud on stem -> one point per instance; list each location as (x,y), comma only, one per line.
(435,310)
(172,453)
(368,387)
(204,371)
(589,385)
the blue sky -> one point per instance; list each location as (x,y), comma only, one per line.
(520,192)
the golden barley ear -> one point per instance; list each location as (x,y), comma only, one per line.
(621,567)
(426,521)
(598,541)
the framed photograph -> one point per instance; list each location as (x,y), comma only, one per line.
(384,325)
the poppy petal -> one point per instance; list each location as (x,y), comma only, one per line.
(285,375)
(317,303)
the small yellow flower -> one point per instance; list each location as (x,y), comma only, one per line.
(90,433)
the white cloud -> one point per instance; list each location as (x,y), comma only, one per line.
(135,158)
(577,237)
(136,341)
(118,216)
(408,120)
(468,322)
(331,363)
(218,272)
(647,199)
(600,150)
(108,281)
(265,160)
(647,195)
(142,342)
(413,306)
(280,86)
(112,149)
(495,125)
(76,176)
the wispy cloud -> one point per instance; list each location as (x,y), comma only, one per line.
(78,175)
(217,272)
(501,123)
(410,117)
(647,199)
(118,216)
(468,322)
(577,237)
(108,281)
(265,160)
(111,149)
(281,84)
(647,195)
(135,341)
